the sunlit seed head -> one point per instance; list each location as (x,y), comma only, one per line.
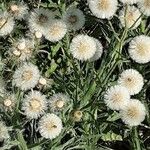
(16,53)
(6,23)
(103,5)
(142,48)
(14,8)
(117,97)
(56,30)
(77,115)
(42,81)
(103,8)
(3,131)
(130,17)
(35,104)
(99,50)
(144,6)
(27,50)
(27,75)
(38,34)
(83,47)
(50,126)
(60,103)
(19,10)
(21,45)
(132,80)
(134,113)
(7,102)
(139,49)
(147,3)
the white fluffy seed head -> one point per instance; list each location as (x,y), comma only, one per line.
(74,18)
(117,97)
(23,49)
(103,8)
(129,1)
(130,17)
(16,52)
(6,23)
(8,103)
(40,19)
(77,115)
(34,105)
(38,34)
(21,44)
(58,102)
(99,51)
(18,10)
(132,80)
(42,81)
(35,36)
(144,6)
(134,113)
(50,126)
(83,47)
(139,49)
(56,30)
(4,131)
(26,77)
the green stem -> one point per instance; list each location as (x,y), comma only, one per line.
(112,28)
(115,55)
(38,144)
(136,141)
(22,145)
